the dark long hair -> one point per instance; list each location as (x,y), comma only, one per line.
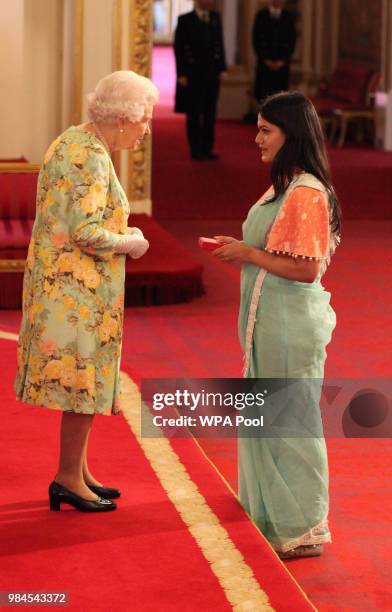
(304,147)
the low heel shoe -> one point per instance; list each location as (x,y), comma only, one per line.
(61,495)
(105,492)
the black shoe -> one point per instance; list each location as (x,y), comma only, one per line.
(59,494)
(211,156)
(105,492)
(197,157)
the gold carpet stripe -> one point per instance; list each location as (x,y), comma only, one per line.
(278,559)
(236,578)
(8,335)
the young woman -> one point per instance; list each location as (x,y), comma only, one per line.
(286,321)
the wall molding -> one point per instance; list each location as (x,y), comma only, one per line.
(77,84)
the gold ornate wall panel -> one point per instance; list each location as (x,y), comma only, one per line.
(141,36)
(140,57)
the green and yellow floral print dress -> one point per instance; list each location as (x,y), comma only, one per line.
(73,291)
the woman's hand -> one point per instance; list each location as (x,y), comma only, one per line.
(296,269)
(232,251)
(225,239)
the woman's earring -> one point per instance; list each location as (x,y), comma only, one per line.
(121,130)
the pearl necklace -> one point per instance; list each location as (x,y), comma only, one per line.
(101,137)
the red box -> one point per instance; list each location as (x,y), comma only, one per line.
(209,244)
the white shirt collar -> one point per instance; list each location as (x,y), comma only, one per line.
(275,12)
(203,15)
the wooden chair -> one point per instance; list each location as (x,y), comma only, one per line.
(346,89)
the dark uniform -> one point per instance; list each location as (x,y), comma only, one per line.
(200,57)
(274,39)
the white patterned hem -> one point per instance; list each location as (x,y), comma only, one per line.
(317,535)
(296,255)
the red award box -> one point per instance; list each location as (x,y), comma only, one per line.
(209,244)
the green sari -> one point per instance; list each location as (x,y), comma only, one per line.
(284,327)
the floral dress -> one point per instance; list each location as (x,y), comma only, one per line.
(69,345)
(284,328)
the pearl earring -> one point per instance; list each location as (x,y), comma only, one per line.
(121,130)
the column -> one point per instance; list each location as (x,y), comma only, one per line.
(238,17)
(139,59)
(307,25)
(97,45)
(386,62)
(42,74)
(12,142)
(386,76)
(325,41)
(230,29)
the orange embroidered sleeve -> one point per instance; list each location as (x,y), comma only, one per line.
(301,228)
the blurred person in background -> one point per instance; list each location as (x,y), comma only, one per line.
(274,39)
(200,60)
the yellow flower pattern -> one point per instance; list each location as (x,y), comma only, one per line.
(73,292)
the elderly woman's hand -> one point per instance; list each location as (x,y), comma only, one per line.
(140,245)
(232,251)
(133,243)
(135,231)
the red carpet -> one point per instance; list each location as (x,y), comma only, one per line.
(203,190)
(141,557)
(200,339)
(224,189)
(353,573)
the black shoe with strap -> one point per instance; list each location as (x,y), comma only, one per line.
(59,494)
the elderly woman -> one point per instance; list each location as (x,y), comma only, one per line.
(73,296)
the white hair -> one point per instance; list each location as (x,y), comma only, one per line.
(121,94)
